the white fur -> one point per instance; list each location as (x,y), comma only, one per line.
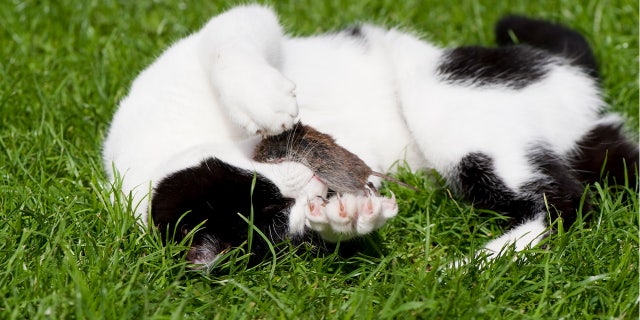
(210,94)
(524,235)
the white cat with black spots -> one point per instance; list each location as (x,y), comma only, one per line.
(512,128)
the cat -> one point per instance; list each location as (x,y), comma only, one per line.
(517,128)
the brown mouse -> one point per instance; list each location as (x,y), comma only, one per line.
(341,170)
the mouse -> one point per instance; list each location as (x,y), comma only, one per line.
(341,170)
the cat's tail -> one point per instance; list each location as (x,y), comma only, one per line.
(606,153)
(555,38)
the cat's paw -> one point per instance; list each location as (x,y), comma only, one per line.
(347,216)
(258,97)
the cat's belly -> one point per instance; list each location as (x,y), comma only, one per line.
(505,124)
(352,97)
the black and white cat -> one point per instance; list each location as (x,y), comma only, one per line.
(516,128)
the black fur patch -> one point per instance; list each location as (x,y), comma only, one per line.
(214,193)
(354,31)
(514,66)
(355,34)
(605,153)
(478,183)
(554,38)
(556,185)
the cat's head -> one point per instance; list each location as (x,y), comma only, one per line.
(213,201)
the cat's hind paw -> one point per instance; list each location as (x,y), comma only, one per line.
(258,98)
(347,216)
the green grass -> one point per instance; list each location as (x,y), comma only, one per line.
(67,252)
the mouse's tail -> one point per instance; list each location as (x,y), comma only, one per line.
(392,179)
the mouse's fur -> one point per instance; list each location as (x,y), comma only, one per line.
(341,170)
(516,128)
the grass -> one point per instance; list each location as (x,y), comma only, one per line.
(68,252)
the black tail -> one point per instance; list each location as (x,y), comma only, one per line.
(605,152)
(554,38)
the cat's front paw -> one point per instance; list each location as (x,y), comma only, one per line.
(347,216)
(258,98)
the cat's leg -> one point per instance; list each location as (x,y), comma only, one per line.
(241,52)
(548,192)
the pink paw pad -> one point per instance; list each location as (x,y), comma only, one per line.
(369,205)
(315,210)
(341,209)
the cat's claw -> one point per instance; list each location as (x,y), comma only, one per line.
(371,189)
(341,208)
(390,206)
(346,216)
(315,208)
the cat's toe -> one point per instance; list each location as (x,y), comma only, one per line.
(375,212)
(369,210)
(342,213)
(316,215)
(389,207)
(271,102)
(273,124)
(281,111)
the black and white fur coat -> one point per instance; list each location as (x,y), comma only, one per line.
(516,128)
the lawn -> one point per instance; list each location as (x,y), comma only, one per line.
(68,252)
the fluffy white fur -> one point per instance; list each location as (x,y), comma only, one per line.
(213,93)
